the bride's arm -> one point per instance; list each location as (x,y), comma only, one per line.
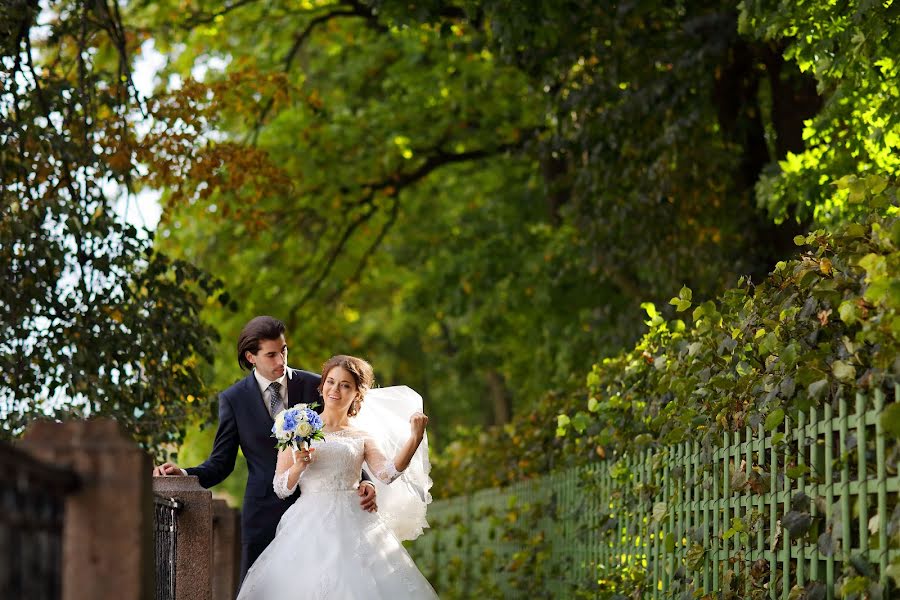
(288,470)
(388,470)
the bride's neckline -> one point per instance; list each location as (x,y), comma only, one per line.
(339,430)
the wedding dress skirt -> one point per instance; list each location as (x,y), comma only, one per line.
(326,546)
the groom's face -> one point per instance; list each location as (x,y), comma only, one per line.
(271,358)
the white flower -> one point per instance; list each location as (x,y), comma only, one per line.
(279,424)
(304,429)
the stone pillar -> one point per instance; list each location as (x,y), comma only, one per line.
(194,554)
(107,546)
(226,551)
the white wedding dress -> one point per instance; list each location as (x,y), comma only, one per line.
(326,545)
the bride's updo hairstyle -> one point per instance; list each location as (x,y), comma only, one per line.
(360,370)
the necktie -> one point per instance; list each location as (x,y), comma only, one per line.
(275,404)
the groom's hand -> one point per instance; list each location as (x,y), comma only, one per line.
(366,492)
(167,469)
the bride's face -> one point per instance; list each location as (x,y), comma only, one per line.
(339,389)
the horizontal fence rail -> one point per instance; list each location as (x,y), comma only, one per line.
(801,510)
(32,507)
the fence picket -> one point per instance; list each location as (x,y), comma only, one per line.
(812,441)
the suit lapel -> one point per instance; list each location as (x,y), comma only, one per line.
(295,387)
(256,400)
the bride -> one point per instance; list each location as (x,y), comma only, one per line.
(325,545)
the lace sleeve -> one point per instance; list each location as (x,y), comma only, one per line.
(280,485)
(382,467)
(282,473)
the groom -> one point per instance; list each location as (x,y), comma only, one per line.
(246,413)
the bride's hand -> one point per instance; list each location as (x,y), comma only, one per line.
(304,457)
(417,423)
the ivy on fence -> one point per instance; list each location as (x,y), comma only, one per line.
(820,329)
(802,507)
(819,326)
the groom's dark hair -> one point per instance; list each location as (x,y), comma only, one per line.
(257,329)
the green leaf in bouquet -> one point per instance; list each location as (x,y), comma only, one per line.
(854,585)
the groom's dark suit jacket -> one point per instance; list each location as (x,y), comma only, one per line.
(245,422)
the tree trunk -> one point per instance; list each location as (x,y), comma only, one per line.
(500,399)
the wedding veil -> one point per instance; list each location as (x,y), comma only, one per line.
(385,416)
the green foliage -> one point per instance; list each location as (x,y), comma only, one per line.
(520,542)
(519,450)
(432,185)
(352,243)
(642,514)
(761,352)
(753,357)
(658,121)
(851,50)
(93,320)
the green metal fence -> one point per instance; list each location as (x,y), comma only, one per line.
(690,520)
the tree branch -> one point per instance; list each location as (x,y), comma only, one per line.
(300,38)
(396,183)
(354,10)
(373,247)
(436,161)
(205,18)
(336,252)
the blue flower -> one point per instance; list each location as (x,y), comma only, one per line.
(314,419)
(290,420)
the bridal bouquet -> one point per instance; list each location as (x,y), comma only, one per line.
(297,425)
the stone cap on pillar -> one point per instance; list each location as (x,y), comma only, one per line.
(45,434)
(172,485)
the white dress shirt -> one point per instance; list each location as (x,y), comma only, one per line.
(264,384)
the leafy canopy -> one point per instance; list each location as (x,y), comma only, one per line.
(93,320)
